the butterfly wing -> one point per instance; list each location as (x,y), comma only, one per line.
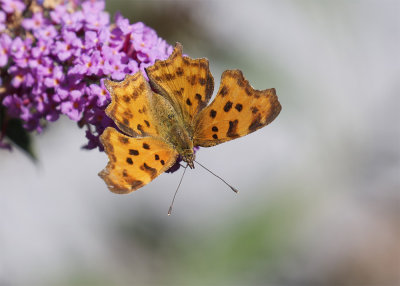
(186,83)
(130,105)
(237,110)
(134,162)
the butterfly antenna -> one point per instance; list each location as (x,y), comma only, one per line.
(173,200)
(230,186)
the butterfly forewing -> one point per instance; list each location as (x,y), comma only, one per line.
(130,105)
(187,83)
(237,110)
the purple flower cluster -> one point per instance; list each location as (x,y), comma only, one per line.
(57,64)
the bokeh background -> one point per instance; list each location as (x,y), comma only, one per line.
(319,199)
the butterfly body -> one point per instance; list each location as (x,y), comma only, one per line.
(172,129)
(168,116)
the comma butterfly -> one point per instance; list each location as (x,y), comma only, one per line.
(168,116)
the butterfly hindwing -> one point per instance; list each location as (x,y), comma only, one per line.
(237,110)
(187,83)
(134,162)
(130,105)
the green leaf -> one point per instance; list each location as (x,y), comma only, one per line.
(17,134)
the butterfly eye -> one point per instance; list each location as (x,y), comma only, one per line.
(170,116)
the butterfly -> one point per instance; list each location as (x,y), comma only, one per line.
(166,117)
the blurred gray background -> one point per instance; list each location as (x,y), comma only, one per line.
(319,188)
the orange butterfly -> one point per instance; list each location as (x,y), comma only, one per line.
(169,116)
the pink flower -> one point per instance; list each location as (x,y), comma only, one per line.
(5,44)
(62,70)
(12,6)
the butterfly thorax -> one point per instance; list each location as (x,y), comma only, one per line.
(172,129)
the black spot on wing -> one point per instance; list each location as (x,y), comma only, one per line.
(179,92)
(123,140)
(209,86)
(228,106)
(128,114)
(151,171)
(213,113)
(179,71)
(126,98)
(224,91)
(135,95)
(232,131)
(169,76)
(198,97)
(254,109)
(141,87)
(133,152)
(192,79)
(239,107)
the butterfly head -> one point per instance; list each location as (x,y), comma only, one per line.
(188,156)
